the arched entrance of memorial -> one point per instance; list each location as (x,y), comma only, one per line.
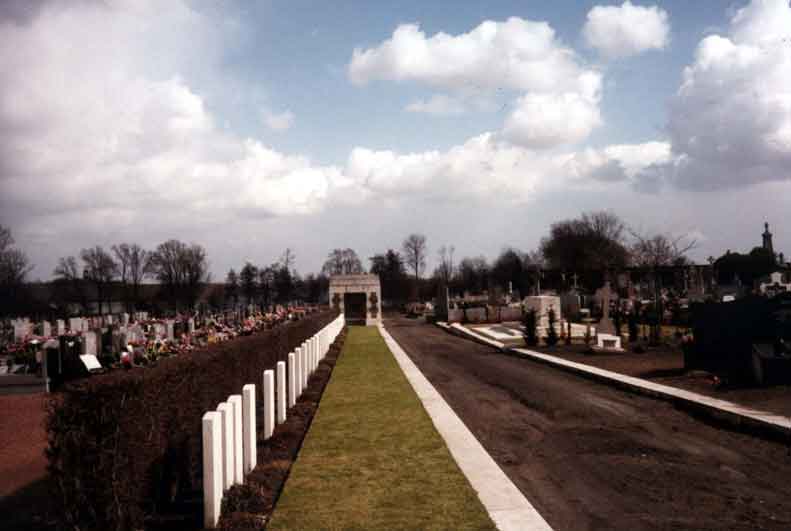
(358,297)
(354,308)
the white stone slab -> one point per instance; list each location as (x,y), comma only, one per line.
(90,362)
(608,341)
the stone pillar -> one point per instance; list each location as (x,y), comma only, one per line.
(238,456)
(281,392)
(212,468)
(269,403)
(249,428)
(226,412)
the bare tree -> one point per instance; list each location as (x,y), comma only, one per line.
(133,267)
(414,249)
(248,278)
(232,286)
(342,262)
(68,280)
(288,259)
(446,270)
(100,269)
(654,252)
(661,249)
(14,268)
(182,269)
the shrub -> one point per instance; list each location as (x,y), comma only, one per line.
(529,321)
(631,323)
(126,445)
(552,334)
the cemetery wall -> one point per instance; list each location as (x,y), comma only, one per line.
(127,445)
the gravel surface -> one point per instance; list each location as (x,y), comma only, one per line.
(592,457)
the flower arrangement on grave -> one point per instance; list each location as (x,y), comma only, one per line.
(552,334)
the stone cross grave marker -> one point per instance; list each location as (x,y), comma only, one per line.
(605,324)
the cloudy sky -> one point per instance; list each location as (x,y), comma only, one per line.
(250,127)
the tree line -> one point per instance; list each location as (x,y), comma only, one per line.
(594,241)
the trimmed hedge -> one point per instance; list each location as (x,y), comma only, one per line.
(126,446)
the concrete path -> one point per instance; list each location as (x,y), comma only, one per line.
(507,506)
(734,414)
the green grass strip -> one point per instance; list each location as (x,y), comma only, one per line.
(372,458)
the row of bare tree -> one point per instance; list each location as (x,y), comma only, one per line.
(181,269)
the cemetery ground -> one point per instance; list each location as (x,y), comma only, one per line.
(372,458)
(589,456)
(664,364)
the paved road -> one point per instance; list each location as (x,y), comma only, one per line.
(591,457)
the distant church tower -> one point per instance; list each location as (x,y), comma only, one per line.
(768,239)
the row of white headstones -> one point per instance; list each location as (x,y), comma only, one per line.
(229,432)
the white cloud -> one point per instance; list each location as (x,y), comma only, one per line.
(730,121)
(546,120)
(438,105)
(279,122)
(618,162)
(104,123)
(560,100)
(626,30)
(517,54)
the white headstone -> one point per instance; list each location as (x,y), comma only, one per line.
(249,428)
(269,403)
(226,411)
(124,319)
(212,468)
(86,325)
(46,329)
(89,343)
(75,324)
(238,455)
(298,373)
(60,327)
(292,380)
(169,329)
(281,392)
(190,325)
(20,330)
